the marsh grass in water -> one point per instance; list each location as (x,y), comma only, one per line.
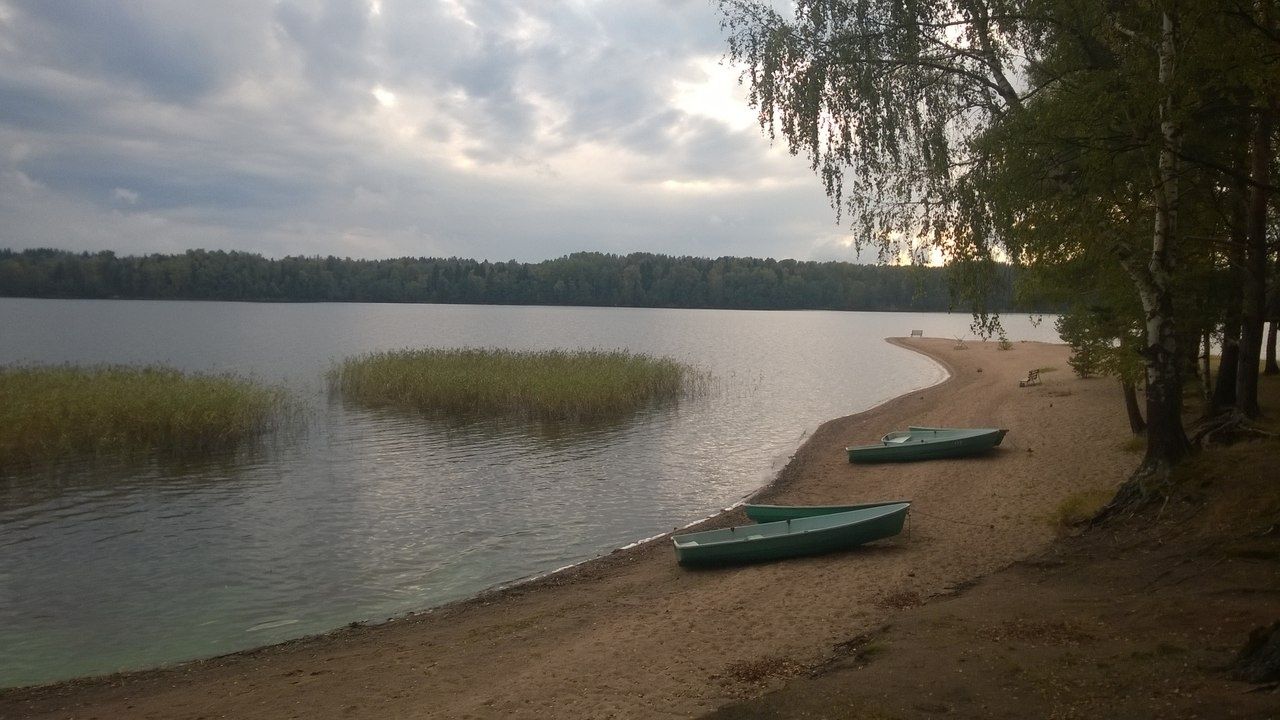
(52,413)
(551,385)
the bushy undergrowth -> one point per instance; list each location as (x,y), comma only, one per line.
(548,385)
(48,413)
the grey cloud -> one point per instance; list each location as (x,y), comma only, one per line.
(709,150)
(685,26)
(31,107)
(331,36)
(607,70)
(629,98)
(422,42)
(161,184)
(177,51)
(154,125)
(653,131)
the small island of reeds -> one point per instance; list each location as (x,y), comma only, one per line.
(51,413)
(544,385)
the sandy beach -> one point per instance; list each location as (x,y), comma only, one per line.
(634,635)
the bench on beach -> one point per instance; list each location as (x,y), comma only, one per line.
(1033,378)
(917,333)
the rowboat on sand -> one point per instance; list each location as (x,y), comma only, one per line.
(774,513)
(927,443)
(790,538)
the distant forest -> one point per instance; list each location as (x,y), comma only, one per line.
(635,280)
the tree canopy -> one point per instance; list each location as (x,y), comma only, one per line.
(1123,148)
(637,280)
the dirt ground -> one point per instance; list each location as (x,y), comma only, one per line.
(633,635)
(1140,618)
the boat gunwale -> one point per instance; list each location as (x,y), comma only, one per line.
(850,506)
(773,513)
(890,509)
(962,434)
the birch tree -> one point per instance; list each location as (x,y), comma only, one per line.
(907,110)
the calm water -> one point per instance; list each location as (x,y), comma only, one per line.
(363,515)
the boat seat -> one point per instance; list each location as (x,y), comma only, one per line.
(898,440)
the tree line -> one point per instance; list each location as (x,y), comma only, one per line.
(1124,154)
(634,280)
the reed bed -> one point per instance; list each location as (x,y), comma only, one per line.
(550,385)
(48,413)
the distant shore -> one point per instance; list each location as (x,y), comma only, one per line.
(634,635)
(580,279)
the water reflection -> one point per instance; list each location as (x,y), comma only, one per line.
(466,429)
(89,479)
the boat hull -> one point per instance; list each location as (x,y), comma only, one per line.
(790,538)
(774,513)
(928,444)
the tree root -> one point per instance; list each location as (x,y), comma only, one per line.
(1227,428)
(1147,485)
(1153,481)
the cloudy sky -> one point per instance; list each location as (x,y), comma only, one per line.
(492,129)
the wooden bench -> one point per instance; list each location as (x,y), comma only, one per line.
(1033,378)
(917,333)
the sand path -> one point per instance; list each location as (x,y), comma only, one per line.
(633,635)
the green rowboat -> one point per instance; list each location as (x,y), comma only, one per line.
(774,513)
(789,538)
(925,443)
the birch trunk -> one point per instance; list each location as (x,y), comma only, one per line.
(1206,370)
(1166,439)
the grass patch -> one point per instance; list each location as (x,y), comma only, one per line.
(48,413)
(1080,507)
(548,385)
(1134,444)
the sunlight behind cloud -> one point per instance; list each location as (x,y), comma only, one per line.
(715,93)
(723,186)
(458,11)
(385,97)
(528,29)
(919,253)
(696,186)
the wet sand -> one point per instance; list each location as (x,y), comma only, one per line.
(633,635)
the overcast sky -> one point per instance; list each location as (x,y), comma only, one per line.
(491,129)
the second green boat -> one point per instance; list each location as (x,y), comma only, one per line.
(774,513)
(926,443)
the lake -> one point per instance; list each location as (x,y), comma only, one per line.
(360,515)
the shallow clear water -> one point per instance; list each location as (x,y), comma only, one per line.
(363,515)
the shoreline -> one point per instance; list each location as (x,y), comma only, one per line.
(538,604)
(710,521)
(773,475)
